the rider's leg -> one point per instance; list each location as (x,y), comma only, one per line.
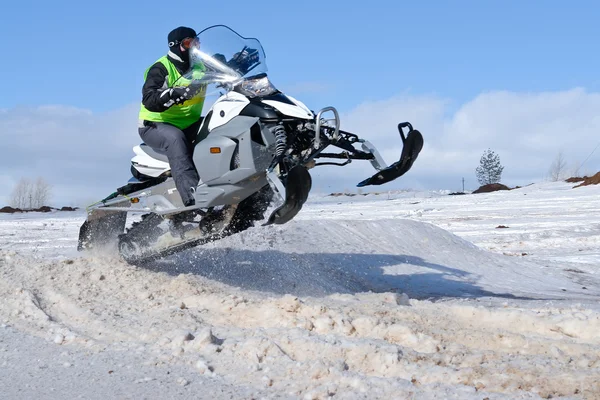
(172,141)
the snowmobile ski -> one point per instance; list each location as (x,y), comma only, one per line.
(413,143)
(296,190)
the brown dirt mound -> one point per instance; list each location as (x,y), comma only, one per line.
(10,210)
(342,194)
(593,180)
(43,209)
(575,179)
(492,187)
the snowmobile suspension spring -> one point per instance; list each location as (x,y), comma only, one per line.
(280,140)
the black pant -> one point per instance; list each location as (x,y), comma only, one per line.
(178,146)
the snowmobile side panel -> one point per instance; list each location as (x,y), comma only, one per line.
(207,196)
(213,156)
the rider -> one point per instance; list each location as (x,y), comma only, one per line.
(170,113)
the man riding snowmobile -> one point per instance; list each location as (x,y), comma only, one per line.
(169,117)
(252,150)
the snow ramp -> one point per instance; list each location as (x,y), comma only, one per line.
(311,257)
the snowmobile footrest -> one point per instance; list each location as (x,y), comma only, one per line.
(296,190)
(413,143)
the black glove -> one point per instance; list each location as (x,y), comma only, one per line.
(180,94)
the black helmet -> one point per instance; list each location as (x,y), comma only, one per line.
(177,35)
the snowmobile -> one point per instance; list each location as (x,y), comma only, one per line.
(258,145)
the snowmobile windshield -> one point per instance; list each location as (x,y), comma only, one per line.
(222,59)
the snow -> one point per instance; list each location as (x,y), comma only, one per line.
(395,295)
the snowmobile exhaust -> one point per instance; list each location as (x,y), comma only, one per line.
(412,145)
(293,194)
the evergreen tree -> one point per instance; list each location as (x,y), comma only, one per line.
(490,169)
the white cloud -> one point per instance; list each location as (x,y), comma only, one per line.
(86,155)
(527,130)
(82,154)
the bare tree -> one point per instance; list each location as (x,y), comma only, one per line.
(40,193)
(558,168)
(20,194)
(29,195)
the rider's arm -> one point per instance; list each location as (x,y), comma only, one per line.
(155,95)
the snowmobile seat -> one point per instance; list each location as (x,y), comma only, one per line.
(153,153)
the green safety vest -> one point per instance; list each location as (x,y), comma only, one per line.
(180,115)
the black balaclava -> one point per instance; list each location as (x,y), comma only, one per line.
(175,37)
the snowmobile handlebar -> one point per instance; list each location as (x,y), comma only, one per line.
(336,133)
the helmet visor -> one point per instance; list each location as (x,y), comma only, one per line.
(190,42)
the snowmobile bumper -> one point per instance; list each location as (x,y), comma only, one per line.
(413,143)
(292,195)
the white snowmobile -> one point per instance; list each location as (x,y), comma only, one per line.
(259,145)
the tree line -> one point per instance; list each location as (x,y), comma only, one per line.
(29,194)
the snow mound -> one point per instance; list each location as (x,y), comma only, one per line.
(325,257)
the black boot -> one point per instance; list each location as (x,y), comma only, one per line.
(177,225)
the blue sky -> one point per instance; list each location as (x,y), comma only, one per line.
(522,77)
(93,54)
